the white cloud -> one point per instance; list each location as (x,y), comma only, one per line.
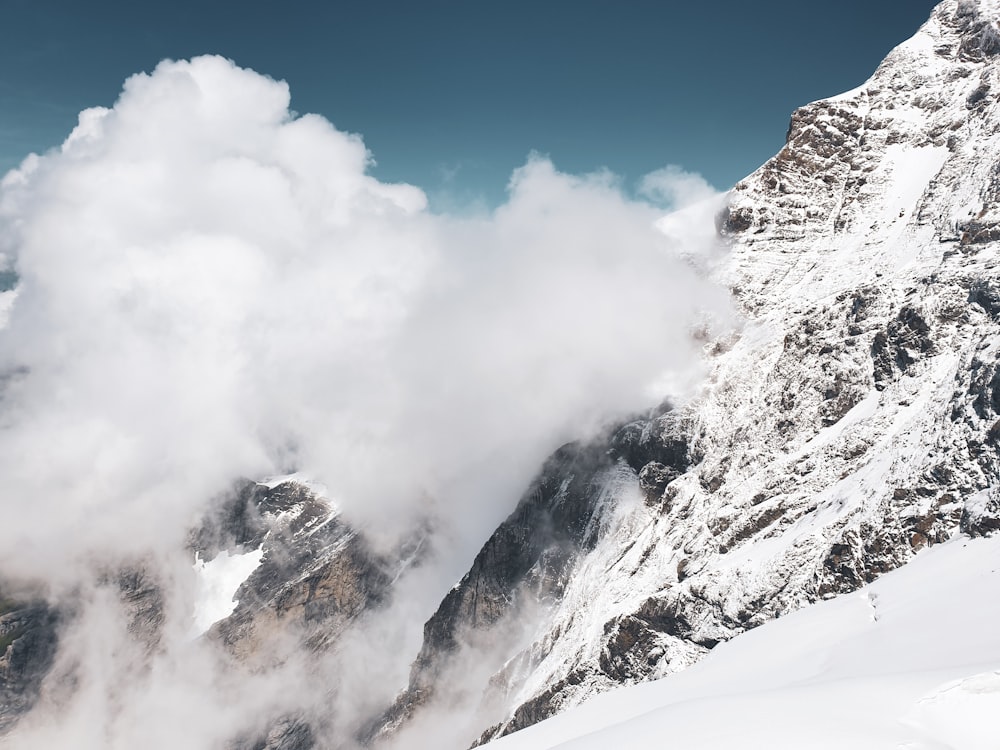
(675,188)
(211,287)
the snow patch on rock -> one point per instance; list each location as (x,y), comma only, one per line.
(218,580)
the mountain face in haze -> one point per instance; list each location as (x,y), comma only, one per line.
(27,650)
(853,421)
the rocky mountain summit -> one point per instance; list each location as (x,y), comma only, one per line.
(853,420)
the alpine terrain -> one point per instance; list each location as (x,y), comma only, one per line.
(849,426)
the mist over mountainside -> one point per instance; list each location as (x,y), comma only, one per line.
(848,422)
(209,288)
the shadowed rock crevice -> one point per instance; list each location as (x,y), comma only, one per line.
(896,349)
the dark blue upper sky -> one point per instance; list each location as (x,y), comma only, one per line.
(453,95)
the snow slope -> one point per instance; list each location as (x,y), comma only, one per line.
(910,661)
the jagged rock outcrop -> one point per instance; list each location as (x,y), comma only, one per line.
(316,576)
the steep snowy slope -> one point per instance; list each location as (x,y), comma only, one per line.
(851,423)
(866,670)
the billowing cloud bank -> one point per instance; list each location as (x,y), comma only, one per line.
(211,287)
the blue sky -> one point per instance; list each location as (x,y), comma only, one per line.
(452,96)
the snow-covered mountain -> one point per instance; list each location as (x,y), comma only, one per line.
(852,422)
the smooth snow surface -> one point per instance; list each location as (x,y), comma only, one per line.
(911,661)
(218,581)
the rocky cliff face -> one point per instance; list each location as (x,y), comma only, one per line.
(852,422)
